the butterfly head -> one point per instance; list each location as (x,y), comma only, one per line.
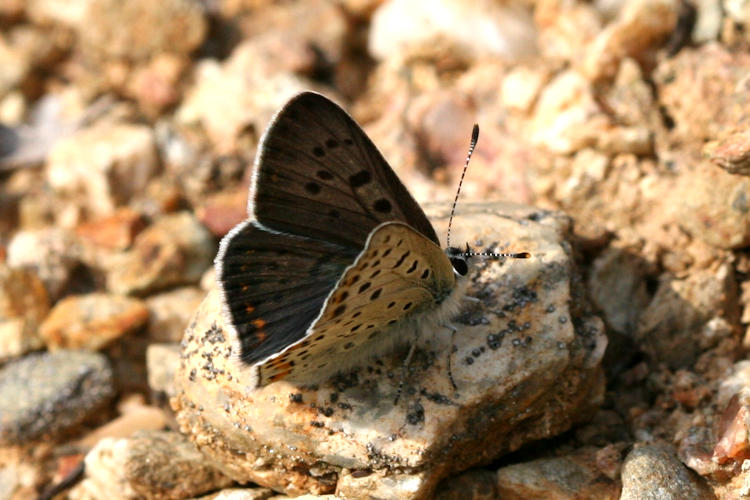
(459,260)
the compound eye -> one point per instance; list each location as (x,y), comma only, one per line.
(460,266)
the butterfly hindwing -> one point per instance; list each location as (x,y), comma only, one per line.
(318,175)
(398,275)
(274,285)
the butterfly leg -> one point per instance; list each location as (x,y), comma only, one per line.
(469,298)
(453,330)
(404,370)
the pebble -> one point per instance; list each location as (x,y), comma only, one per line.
(149,464)
(52,253)
(175,250)
(140,29)
(92,321)
(714,206)
(567,477)
(169,313)
(232,96)
(46,394)
(105,164)
(115,232)
(732,153)
(139,418)
(640,26)
(255,494)
(703,92)
(400,28)
(475,484)
(679,309)
(653,472)
(162,361)
(24,304)
(567,117)
(617,284)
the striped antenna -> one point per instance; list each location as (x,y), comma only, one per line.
(497,255)
(474,139)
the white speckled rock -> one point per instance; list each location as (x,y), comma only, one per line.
(526,365)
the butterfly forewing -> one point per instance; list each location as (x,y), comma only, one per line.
(318,175)
(274,285)
(399,275)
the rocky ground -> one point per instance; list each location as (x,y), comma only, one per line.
(616,129)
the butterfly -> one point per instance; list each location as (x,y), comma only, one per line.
(337,264)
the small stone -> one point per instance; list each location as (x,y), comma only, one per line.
(637,140)
(703,92)
(222,211)
(733,442)
(51,118)
(655,472)
(140,29)
(105,165)
(137,418)
(16,63)
(170,312)
(92,321)
(708,20)
(737,11)
(228,99)
(640,27)
(19,481)
(284,36)
(401,28)
(443,120)
(24,304)
(162,361)
(732,153)
(568,477)
(149,464)
(617,284)
(521,88)
(714,206)
(53,253)
(567,117)
(733,382)
(14,9)
(175,250)
(680,307)
(477,484)
(12,112)
(250,494)
(49,393)
(69,13)
(156,86)
(566,29)
(631,98)
(116,231)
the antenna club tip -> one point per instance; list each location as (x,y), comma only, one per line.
(475,133)
(522,255)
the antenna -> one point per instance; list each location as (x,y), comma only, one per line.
(496,255)
(474,139)
(469,252)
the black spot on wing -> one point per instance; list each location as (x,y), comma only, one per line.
(360,179)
